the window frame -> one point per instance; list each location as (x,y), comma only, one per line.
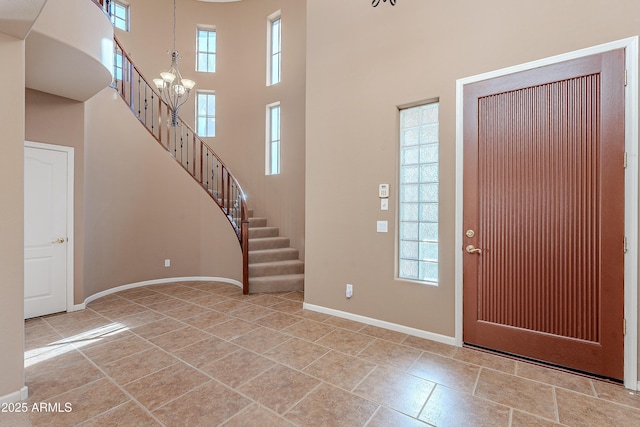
(274,56)
(272,142)
(419,199)
(207,114)
(208,52)
(114,5)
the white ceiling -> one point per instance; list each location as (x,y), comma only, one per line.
(17,16)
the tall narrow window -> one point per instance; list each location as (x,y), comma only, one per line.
(274,61)
(206,113)
(206,59)
(119,13)
(418,193)
(273,139)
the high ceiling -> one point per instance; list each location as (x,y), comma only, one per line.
(17,16)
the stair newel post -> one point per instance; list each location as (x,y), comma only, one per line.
(244,233)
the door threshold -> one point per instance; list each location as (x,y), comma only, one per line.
(543,364)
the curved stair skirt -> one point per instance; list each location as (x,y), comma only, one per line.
(274,266)
(94,297)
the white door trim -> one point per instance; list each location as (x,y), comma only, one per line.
(70,221)
(631,191)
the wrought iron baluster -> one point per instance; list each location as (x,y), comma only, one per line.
(139,96)
(146,105)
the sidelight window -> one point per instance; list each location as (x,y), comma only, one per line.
(418,193)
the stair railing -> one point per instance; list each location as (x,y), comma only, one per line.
(184,145)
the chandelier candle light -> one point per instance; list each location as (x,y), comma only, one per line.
(173,88)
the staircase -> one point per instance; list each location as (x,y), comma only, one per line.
(268,263)
(273,265)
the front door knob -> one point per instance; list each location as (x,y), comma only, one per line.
(473,250)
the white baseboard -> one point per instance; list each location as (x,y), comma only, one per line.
(153,282)
(16,396)
(382,324)
(77,307)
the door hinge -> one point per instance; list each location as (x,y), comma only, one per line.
(625,77)
(626,248)
(624,326)
(625,160)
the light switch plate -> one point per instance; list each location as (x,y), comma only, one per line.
(384,204)
(383,226)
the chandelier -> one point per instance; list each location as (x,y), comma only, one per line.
(173,88)
(375,3)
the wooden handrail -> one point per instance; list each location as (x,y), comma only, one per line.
(202,163)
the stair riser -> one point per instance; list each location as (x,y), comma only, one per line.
(294,283)
(257,233)
(258,270)
(257,222)
(270,243)
(284,254)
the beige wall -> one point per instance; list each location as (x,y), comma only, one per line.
(141,208)
(12,217)
(54,120)
(241,91)
(362,63)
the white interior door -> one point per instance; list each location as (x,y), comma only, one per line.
(46,234)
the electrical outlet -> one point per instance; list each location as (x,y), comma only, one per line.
(349,292)
(167,263)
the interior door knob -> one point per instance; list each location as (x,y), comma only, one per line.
(473,250)
(59,240)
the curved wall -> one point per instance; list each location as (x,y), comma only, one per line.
(73,61)
(241,91)
(141,208)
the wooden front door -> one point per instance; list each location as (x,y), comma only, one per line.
(544,214)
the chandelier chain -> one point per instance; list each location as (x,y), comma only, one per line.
(174,25)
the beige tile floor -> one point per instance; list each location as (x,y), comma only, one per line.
(201,354)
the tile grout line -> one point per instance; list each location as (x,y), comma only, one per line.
(125,392)
(475,386)
(211,378)
(556,408)
(166,367)
(433,389)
